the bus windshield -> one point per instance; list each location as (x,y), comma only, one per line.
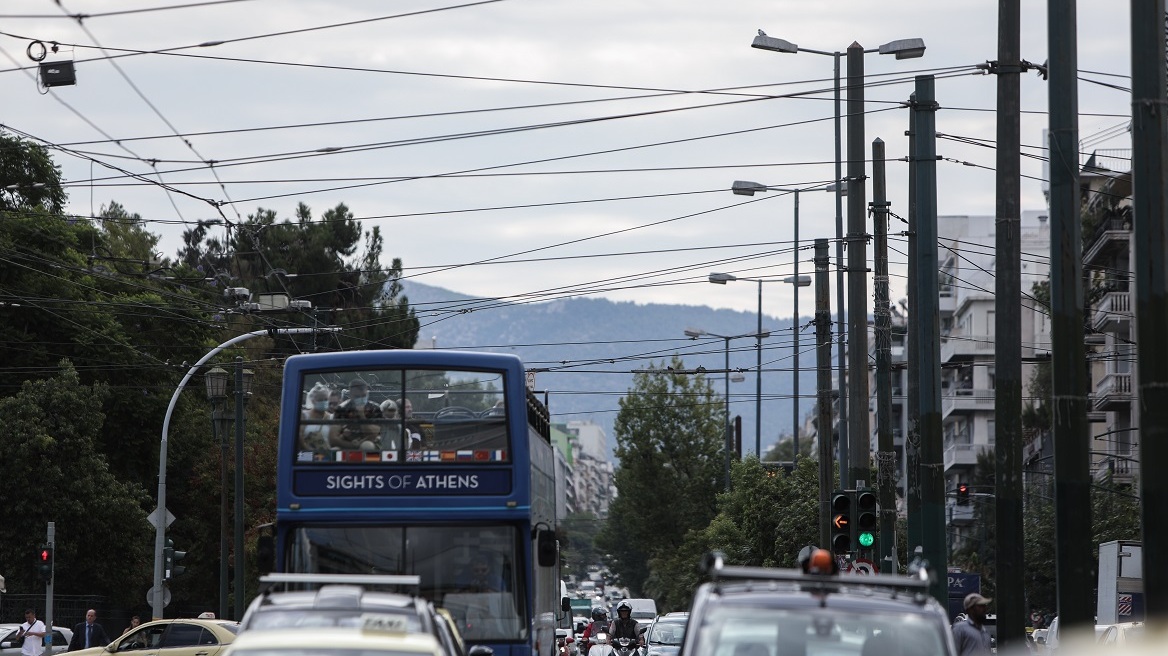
(402,415)
(472,571)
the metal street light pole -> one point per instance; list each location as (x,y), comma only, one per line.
(748,188)
(694,333)
(216,381)
(242,391)
(157,603)
(901,49)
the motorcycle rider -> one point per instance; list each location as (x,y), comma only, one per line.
(599,624)
(624,626)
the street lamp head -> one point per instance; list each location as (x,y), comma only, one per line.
(764,42)
(747,188)
(802,281)
(247,377)
(737,377)
(216,381)
(841,187)
(694,332)
(722,278)
(904,48)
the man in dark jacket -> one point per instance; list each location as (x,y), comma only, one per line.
(88,633)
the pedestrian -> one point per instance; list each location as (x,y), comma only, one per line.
(134,622)
(970,634)
(88,633)
(32,627)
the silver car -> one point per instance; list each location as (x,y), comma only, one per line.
(10,646)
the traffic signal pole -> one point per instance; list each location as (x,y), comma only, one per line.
(823,389)
(50,540)
(882,313)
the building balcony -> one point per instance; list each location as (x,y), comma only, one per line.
(963,455)
(958,348)
(1113,313)
(1111,236)
(957,514)
(966,401)
(1113,393)
(1117,469)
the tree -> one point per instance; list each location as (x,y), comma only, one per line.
(669,434)
(578,534)
(31,181)
(56,473)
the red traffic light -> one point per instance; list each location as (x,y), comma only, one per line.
(46,555)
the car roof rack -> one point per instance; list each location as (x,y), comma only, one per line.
(269,581)
(719,572)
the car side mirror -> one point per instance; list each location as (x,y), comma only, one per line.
(547,547)
(480,650)
(642,629)
(565,604)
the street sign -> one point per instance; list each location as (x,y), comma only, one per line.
(865,567)
(531,381)
(844,564)
(153,518)
(165,596)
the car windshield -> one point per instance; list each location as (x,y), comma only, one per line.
(317,651)
(667,633)
(275,617)
(472,572)
(815,631)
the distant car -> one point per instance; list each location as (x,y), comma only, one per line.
(344,641)
(665,635)
(10,645)
(182,637)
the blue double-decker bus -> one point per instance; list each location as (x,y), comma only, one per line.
(431,463)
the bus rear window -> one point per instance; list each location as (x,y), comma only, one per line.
(408,416)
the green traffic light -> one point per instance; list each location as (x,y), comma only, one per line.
(866,539)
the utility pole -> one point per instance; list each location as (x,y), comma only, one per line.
(842,376)
(51,540)
(1072,476)
(1010,546)
(928,347)
(912,442)
(859,445)
(823,388)
(1149,177)
(240,594)
(882,313)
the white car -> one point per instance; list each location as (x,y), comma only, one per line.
(383,634)
(1117,636)
(9,645)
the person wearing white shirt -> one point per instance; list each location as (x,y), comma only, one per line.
(33,631)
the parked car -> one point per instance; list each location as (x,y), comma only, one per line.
(10,645)
(1118,636)
(666,634)
(181,637)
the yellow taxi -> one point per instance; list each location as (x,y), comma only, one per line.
(377,635)
(178,637)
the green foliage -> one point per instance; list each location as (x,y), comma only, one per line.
(56,473)
(316,260)
(669,434)
(578,533)
(31,181)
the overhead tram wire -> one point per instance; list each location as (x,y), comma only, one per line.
(122,12)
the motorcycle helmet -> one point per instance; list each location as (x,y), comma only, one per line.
(599,614)
(624,605)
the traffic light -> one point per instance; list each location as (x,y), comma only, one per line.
(44,560)
(170,558)
(841,522)
(963,494)
(866,520)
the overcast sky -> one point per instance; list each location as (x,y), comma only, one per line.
(598,137)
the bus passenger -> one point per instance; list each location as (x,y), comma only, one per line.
(314,435)
(358,434)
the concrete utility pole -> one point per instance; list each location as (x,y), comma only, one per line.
(928,347)
(859,445)
(1010,579)
(882,313)
(912,442)
(51,540)
(240,399)
(1072,475)
(823,388)
(1150,205)
(840,315)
